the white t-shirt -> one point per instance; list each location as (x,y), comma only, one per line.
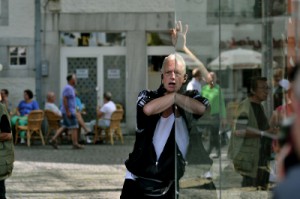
(194,85)
(52,107)
(162,133)
(107,109)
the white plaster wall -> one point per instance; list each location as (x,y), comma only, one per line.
(21,19)
(108,6)
(201,38)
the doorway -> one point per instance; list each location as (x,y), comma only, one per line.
(98,70)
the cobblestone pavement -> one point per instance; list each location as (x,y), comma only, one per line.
(98,172)
(43,172)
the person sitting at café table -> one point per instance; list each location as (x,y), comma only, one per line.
(23,109)
(104,112)
(80,110)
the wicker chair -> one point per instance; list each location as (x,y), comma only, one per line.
(33,128)
(53,121)
(119,106)
(114,130)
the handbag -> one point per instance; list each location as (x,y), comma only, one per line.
(153,187)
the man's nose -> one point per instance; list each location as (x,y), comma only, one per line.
(173,75)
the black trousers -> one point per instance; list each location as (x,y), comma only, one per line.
(214,138)
(131,190)
(2,189)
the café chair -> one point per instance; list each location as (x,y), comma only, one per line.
(114,129)
(33,128)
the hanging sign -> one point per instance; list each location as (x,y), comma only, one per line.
(113,73)
(82,73)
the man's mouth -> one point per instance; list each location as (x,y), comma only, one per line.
(172,83)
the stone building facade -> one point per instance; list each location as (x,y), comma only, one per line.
(121,68)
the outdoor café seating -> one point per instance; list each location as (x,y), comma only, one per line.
(33,128)
(113,131)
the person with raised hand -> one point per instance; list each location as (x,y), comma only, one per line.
(164,119)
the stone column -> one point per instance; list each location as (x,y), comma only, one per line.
(136,78)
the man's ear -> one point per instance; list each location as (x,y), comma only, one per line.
(185,77)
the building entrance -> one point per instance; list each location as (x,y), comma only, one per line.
(98,70)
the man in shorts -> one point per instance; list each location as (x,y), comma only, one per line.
(68,110)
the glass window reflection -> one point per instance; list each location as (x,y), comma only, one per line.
(238,161)
(92,39)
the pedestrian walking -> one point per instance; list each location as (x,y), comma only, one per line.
(251,151)
(69,110)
